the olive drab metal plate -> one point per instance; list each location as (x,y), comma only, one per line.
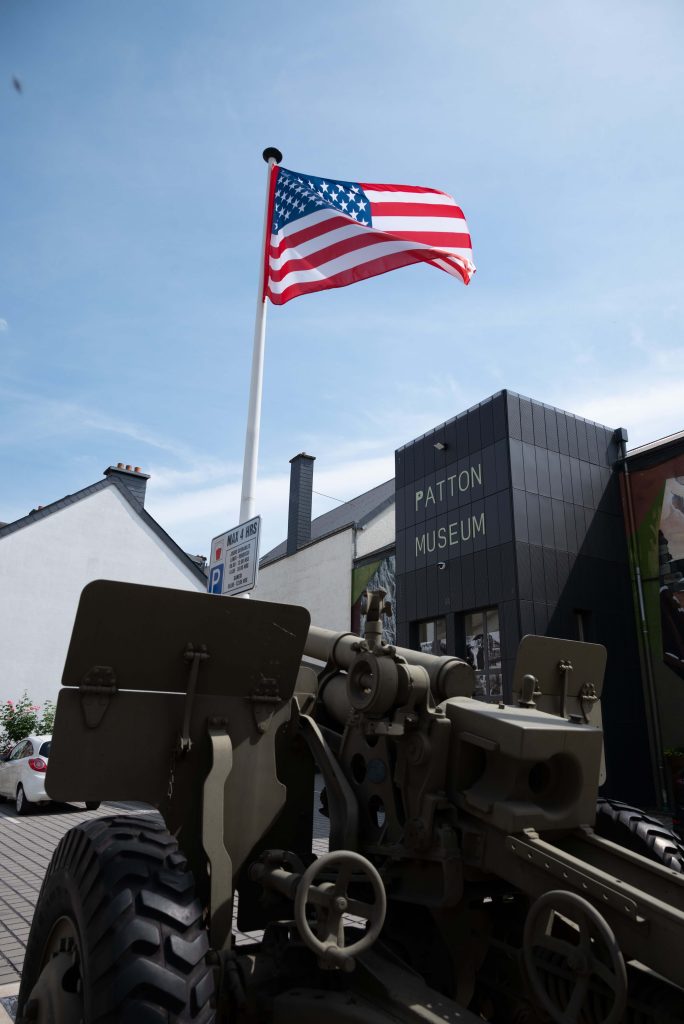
(175,698)
(128,699)
(541,656)
(141,633)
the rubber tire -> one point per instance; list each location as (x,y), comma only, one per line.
(92,805)
(21,803)
(126,887)
(629,827)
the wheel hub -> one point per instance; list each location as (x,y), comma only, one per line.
(56,997)
(578,964)
(51,1001)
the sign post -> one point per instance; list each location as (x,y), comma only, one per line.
(234,561)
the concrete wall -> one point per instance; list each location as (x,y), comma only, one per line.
(44,567)
(317,577)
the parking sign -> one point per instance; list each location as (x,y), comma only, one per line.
(234,561)
(216,579)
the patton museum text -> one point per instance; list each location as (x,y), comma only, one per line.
(460,530)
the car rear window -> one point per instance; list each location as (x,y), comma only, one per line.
(45,748)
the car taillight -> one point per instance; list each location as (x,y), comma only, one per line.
(38,764)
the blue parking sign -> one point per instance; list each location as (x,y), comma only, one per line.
(215,584)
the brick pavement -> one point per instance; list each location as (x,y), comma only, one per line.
(26,846)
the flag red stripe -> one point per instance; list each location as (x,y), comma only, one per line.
(360,273)
(440,239)
(295,238)
(415,210)
(401,188)
(328,253)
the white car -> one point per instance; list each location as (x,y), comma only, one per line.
(22,773)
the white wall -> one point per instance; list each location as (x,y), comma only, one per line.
(44,567)
(317,577)
(379,533)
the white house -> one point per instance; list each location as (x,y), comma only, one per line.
(48,556)
(325,565)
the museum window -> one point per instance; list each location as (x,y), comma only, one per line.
(432,637)
(483,652)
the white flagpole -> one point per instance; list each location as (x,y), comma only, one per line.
(249,469)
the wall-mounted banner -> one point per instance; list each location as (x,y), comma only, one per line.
(234,560)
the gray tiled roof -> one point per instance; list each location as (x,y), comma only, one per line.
(71,499)
(357,511)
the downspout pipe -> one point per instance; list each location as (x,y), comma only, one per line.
(652,715)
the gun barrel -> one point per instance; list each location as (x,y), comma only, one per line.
(327,645)
(449,676)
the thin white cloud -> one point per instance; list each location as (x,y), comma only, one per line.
(198,473)
(133,431)
(45,417)
(3,325)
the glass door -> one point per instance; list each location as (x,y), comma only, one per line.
(432,636)
(483,652)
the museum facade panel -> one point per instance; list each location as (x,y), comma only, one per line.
(509,522)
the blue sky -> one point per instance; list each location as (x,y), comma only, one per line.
(131,204)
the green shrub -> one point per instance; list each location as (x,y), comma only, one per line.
(21,718)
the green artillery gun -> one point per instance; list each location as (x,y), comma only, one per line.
(463,878)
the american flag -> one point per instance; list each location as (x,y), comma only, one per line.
(326,233)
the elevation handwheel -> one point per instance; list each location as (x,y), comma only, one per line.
(594,958)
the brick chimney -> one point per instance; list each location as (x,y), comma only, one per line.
(299,516)
(133,478)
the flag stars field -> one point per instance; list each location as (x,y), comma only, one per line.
(316,196)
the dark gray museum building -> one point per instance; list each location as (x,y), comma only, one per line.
(509,521)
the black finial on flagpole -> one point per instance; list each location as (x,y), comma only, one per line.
(271,153)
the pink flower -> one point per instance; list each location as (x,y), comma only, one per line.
(10,703)
(35,707)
